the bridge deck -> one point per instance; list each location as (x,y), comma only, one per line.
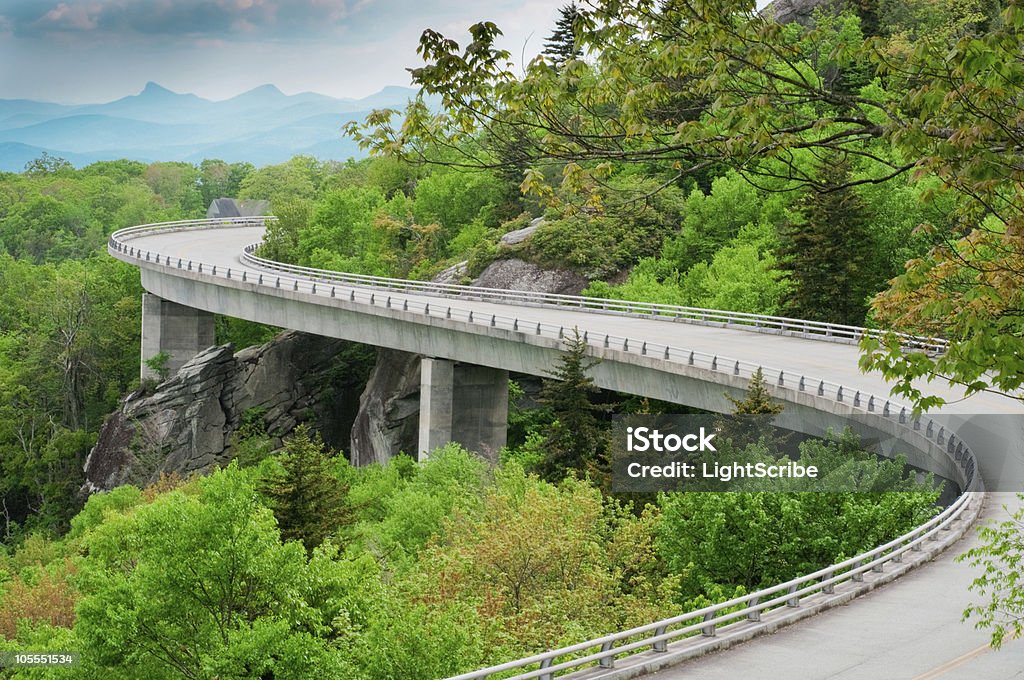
(910,629)
(813,358)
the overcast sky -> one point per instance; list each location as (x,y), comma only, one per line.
(83,51)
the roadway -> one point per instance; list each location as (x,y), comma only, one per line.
(908,630)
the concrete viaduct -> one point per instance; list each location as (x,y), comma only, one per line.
(471,338)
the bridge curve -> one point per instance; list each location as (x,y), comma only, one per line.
(210,265)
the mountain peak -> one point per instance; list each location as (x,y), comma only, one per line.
(267,90)
(152,88)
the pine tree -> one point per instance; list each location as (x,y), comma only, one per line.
(308,501)
(758,400)
(752,416)
(827,253)
(573,440)
(561,45)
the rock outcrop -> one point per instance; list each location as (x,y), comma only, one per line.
(516,274)
(186,424)
(799,11)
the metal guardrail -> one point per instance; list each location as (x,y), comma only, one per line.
(377,293)
(655,637)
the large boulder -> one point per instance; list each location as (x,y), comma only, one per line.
(186,424)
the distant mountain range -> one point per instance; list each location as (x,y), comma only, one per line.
(261,126)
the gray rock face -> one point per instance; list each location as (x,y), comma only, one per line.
(388,418)
(515,274)
(520,235)
(186,425)
(798,11)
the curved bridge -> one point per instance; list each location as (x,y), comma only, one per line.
(470,338)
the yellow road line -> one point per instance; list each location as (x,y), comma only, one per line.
(958,661)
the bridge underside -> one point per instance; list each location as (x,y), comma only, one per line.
(464,379)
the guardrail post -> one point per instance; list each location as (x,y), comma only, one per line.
(793,601)
(856,398)
(828,588)
(859,575)
(878,567)
(940,438)
(928,432)
(546,663)
(839,393)
(756,614)
(606,661)
(660,645)
(708,631)
(917,423)
(898,556)
(871,403)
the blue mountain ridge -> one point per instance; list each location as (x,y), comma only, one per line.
(261,126)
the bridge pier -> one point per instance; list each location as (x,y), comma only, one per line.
(180,331)
(462,403)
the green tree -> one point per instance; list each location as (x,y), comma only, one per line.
(575,437)
(308,500)
(827,253)
(1001,559)
(197,584)
(561,45)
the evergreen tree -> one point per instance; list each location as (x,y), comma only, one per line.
(827,252)
(574,437)
(561,46)
(308,501)
(758,400)
(753,415)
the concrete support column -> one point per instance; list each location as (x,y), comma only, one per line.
(182,332)
(437,392)
(480,421)
(463,403)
